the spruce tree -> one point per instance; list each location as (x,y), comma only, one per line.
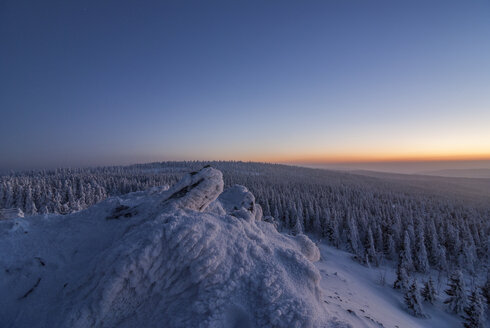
(469,252)
(391,248)
(402,279)
(421,260)
(406,255)
(442,262)
(429,292)
(276,213)
(433,244)
(353,238)
(317,225)
(474,316)
(486,289)
(456,300)
(379,239)
(412,301)
(287,220)
(29,206)
(298,227)
(371,255)
(333,232)
(9,196)
(44,209)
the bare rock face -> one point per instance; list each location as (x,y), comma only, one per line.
(196,190)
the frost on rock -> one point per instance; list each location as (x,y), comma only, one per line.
(186,259)
(239,202)
(197,189)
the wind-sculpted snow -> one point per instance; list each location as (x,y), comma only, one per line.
(196,190)
(239,202)
(164,258)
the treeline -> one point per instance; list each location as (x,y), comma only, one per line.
(63,191)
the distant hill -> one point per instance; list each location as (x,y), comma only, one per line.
(461,173)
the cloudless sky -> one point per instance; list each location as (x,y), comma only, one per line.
(115,82)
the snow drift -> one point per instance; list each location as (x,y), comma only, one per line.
(189,256)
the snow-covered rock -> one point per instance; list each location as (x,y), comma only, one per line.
(196,190)
(180,257)
(239,202)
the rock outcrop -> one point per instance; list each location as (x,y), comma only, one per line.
(239,202)
(196,190)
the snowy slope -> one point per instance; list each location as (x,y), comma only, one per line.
(354,295)
(180,257)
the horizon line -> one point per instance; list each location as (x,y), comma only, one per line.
(297,162)
(385,159)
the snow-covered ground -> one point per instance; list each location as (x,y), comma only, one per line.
(191,255)
(354,294)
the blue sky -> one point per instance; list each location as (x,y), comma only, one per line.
(115,82)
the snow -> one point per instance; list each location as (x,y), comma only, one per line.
(355,296)
(195,191)
(240,202)
(192,255)
(11,213)
(174,258)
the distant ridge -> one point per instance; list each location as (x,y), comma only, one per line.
(460,173)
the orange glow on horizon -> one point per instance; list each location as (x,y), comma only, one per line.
(354,158)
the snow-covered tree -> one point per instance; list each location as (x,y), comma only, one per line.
(442,262)
(485,289)
(406,258)
(412,301)
(378,238)
(457,299)
(317,223)
(44,209)
(287,220)
(298,226)
(402,280)
(332,231)
(421,260)
(391,248)
(19,198)
(353,238)
(9,195)
(433,243)
(371,254)
(429,292)
(469,255)
(29,206)
(474,313)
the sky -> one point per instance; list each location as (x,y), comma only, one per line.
(118,82)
